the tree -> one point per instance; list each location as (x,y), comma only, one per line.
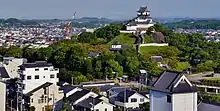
(132,64)
(14,52)
(79,78)
(86,37)
(112,68)
(108,32)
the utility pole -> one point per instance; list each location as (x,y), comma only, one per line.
(72,81)
(124,98)
(53,101)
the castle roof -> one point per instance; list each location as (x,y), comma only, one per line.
(143,9)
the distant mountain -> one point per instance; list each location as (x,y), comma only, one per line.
(93,20)
(14,21)
(195,24)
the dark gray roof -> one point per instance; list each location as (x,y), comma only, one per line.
(67,88)
(119,89)
(157,58)
(106,88)
(125,94)
(87,102)
(4,73)
(144,93)
(143,9)
(93,54)
(167,80)
(208,106)
(134,23)
(38,88)
(77,95)
(36,64)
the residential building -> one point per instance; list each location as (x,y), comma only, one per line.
(78,96)
(143,20)
(35,74)
(173,92)
(3,96)
(113,92)
(9,67)
(94,104)
(130,99)
(44,96)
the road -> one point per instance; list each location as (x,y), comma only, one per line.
(197,77)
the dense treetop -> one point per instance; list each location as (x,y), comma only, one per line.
(71,56)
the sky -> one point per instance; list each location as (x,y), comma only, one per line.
(113,9)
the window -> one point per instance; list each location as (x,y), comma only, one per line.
(141,99)
(28,77)
(133,100)
(36,77)
(97,110)
(42,108)
(106,109)
(36,69)
(32,100)
(45,68)
(39,101)
(52,76)
(169,99)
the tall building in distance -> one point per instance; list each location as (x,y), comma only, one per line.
(142,22)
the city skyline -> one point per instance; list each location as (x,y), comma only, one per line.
(113,9)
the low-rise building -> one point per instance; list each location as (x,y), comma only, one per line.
(130,99)
(173,92)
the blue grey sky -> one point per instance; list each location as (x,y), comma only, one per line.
(117,9)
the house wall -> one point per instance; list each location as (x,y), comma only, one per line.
(44,76)
(130,104)
(102,106)
(158,101)
(184,102)
(56,98)
(12,66)
(2,96)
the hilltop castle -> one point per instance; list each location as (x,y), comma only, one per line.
(142,22)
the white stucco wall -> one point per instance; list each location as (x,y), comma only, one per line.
(185,102)
(130,104)
(44,76)
(158,101)
(102,106)
(2,96)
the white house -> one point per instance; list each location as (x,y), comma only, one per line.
(94,104)
(142,21)
(173,92)
(130,99)
(35,74)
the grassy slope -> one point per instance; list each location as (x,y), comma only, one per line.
(123,39)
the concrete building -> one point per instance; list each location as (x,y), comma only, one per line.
(173,92)
(35,74)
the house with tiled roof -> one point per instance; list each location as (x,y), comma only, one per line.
(172,91)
